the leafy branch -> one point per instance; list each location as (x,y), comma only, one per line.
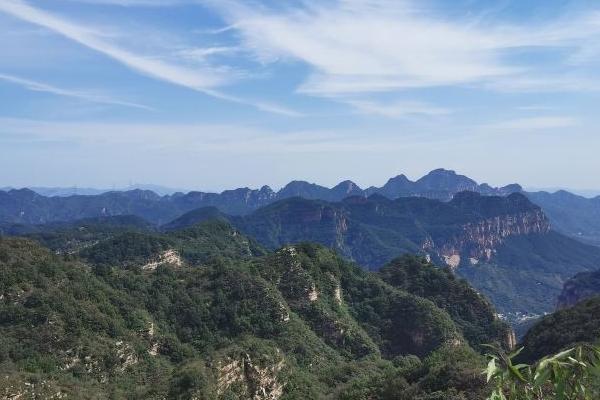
(572,374)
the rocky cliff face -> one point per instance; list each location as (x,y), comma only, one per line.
(478,241)
(257,382)
(488,222)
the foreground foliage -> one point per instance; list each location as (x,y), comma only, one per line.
(573,374)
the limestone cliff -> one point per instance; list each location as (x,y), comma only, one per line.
(478,241)
(256,382)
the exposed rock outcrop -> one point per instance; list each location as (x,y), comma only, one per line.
(258,382)
(126,355)
(478,241)
(511,340)
(337,294)
(168,257)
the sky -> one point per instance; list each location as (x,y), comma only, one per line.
(217,94)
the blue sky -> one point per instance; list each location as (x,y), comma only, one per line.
(214,94)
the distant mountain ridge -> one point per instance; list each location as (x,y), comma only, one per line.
(572,215)
(85,191)
(29,207)
(440,184)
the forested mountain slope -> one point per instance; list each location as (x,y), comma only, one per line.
(504,246)
(563,329)
(204,313)
(582,286)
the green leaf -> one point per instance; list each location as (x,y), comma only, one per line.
(491,369)
(515,371)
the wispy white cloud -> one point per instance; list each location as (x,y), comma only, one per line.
(138,3)
(355,46)
(354,50)
(202,53)
(87,96)
(215,31)
(201,79)
(198,80)
(396,109)
(368,46)
(535,123)
(544,83)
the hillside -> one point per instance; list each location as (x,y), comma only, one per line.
(374,230)
(563,329)
(487,239)
(527,273)
(198,313)
(502,245)
(582,286)
(67,237)
(471,311)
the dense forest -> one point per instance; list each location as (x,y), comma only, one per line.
(206,313)
(113,309)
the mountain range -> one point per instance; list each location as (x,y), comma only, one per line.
(27,206)
(86,191)
(136,295)
(204,312)
(509,244)
(503,246)
(573,215)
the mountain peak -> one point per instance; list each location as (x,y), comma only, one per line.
(22,192)
(395,187)
(442,180)
(511,188)
(345,189)
(400,177)
(347,184)
(442,171)
(296,183)
(303,189)
(398,180)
